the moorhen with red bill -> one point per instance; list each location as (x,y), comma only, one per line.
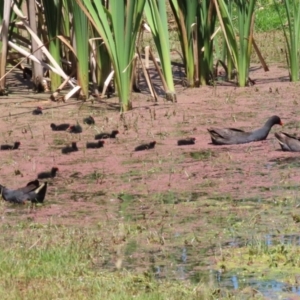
(38,111)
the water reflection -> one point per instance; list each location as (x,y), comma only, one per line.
(272,289)
(190,263)
(181,273)
(235,282)
(287,239)
(184,255)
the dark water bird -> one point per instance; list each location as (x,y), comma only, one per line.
(15,146)
(33,191)
(187,141)
(288,142)
(75,128)
(27,73)
(38,111)
(46,175)
(135,88)
(230,136)
(32,185)
(147,146)
(106,135)
(60,127)
(89,120)
(69,149)
(93,145)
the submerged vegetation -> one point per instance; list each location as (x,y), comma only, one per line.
(168,245)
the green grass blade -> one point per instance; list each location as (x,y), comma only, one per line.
(291,35)
(161,39)
(238,47)
(185,16)
(53,17)
(82,48)
(118,28)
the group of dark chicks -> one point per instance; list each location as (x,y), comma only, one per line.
(34,191)
(78,129)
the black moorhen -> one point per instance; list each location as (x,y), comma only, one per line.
(94,145)
(69,149)
(187,141)
(231,136)
(15,146)
(288,142)
(33,192)
(147,146)
(106,135)
(60,127)
(45,175)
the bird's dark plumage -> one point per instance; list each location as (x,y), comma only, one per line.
(147,146)
(69,149)
(75,128)
(45,175)
(93,145)
(60,127)
(288,142)
(230,136)
(15,146)
(187,141)
(32,185)
(38,111)
(89,120)
(27,73)
(106,135)
(33,192)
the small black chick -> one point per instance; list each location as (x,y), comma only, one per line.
(27,73)
(10,147)
(147,146)
(93,145)
(89,120)
(45,175)
(75,128)
(106,135)
(187,141)
(69,149)
(38,111)
(60,127)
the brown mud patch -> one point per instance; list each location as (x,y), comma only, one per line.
(238,170)
(167,196)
